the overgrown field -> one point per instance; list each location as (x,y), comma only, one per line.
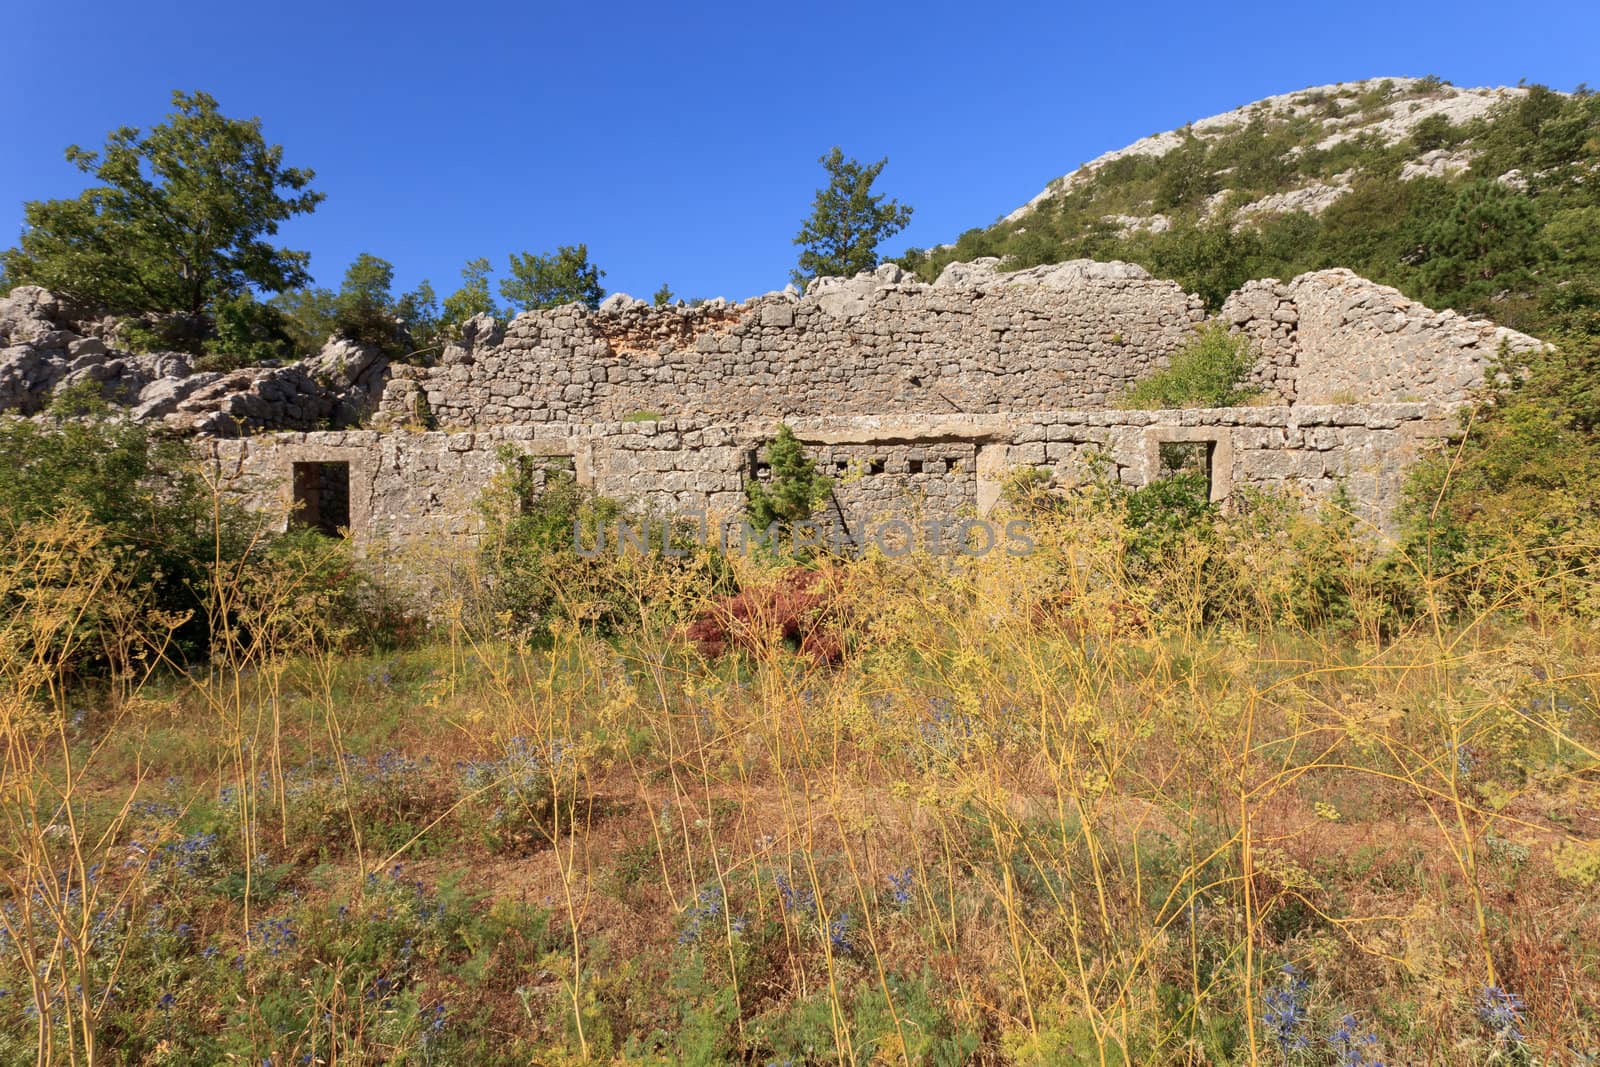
(1047,809)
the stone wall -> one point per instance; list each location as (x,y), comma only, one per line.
(1075,335)
(1333,337)
(421,488)
(1069,336)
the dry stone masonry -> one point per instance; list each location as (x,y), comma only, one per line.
(918,399)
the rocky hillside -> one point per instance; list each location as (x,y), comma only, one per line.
(1481,200)
(1302,130)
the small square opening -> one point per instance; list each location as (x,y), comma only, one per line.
(536,473)
(914,466)
(875,466)
(1187,457)
(321,498)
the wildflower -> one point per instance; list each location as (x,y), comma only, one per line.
(839,933)
(1284,1013)
(701,912)
(1351,1042)
(900,886)
(794,900)
(1501,1011)
(166,1002)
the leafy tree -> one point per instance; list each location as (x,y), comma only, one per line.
(847,221)
(180,220)
(246,331)
(794,491)
(1212,259)
(364,309)
(472,298)
(418,312)
(551,280)
(310,315)
(1487,242)
(663,296)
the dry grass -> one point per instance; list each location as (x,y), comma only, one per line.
(1041,814)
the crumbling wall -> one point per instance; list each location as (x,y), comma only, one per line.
(420,489)
(1333,337)
(1073,335)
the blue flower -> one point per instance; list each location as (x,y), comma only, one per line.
(1284,1012)
(1501,1011)
(1351,1042)
(794,900)
(839,933)
(900,886)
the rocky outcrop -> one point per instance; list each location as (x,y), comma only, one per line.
(47,345)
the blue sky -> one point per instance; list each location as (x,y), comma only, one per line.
(681,143)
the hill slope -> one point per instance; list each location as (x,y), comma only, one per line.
(1484,200)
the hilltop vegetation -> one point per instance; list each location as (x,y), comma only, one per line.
(1493,216)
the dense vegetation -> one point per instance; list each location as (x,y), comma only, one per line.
(1519,249)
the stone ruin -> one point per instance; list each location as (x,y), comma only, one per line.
(920,399)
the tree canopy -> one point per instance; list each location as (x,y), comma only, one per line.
(545,281)
(179,220)
(848,221)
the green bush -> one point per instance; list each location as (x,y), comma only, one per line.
(245,332)
(552,551)
(1512,507)
(793,492)
(1207,372)
(143,494)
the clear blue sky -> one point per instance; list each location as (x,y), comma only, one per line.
(680,141)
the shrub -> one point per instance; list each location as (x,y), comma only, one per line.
(144,497)
(794,491)
(552,551)
(1207,372)
(1513,508)
(245,332)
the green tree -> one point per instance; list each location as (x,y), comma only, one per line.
(246,331)
(472,298)
(1488,241)
(663,296)
(793,492)
(364,309)
(549,281)
(847,221)
(180,220)
(418,312)
(309,315)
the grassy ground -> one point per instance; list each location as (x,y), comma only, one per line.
(1021,823)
